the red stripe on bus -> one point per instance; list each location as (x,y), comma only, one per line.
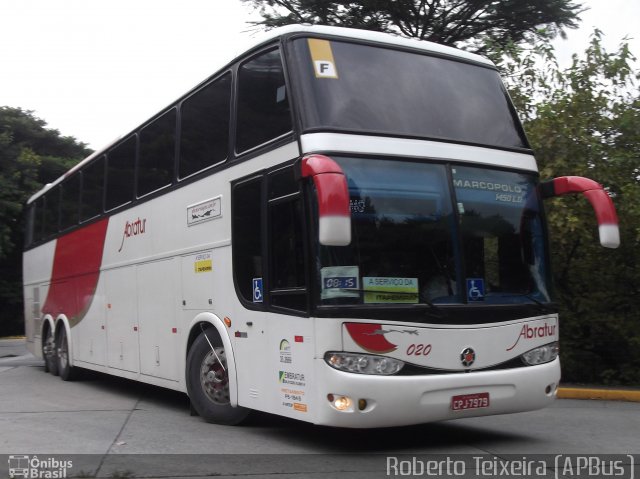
(76,270)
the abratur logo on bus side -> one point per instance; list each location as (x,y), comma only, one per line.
(133,228)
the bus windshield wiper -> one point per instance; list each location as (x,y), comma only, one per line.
(541,306)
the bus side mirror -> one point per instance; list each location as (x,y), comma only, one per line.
(597,196)
(333,199)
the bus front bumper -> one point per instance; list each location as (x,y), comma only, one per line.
(385,401)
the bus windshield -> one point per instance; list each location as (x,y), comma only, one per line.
(403,93)
(425,233)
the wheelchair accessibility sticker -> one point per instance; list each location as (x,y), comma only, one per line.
(475,289)
(257,290)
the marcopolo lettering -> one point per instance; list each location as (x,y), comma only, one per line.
(488,186)
(133,228)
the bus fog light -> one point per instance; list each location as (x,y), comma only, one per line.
(341,403)
(541,355)
(363,363)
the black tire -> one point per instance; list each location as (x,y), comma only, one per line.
(49,351)
(66,371)
(208,383)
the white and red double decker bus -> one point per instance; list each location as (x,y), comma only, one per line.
(339,226)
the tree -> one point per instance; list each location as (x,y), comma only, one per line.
(471,24)
(585,120)
(31,155)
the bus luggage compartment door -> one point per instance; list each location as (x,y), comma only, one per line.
(157,317)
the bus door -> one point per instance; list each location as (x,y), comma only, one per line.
(270,280)
(248,317)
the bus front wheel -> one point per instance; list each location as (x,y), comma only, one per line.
(208,381)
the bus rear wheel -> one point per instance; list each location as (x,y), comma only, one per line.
(67,372)
(208,381)
(49,353)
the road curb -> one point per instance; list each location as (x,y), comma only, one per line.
(601,394)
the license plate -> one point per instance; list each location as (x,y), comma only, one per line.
(470,401)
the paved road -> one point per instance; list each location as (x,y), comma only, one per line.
(106,420)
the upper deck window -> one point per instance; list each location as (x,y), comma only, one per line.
(263,101)
(157,153)
(52,210)
(120,173)
(70,201)
(91,203)
(365,89)
(204,138)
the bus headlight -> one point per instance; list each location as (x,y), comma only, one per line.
(363,363)
(541,355)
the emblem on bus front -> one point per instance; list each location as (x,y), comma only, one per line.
(468,357)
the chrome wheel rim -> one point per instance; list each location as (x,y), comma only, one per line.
(49,348)
(213,376)
(63,352)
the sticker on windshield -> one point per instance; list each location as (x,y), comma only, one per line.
(390,290)
(324,65)
(340,282)
(475,289)
(258,292)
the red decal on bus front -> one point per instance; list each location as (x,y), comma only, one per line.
(370,337)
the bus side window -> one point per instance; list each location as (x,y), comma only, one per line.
(70,202)
(157,153)
(204,130)
(263,104)
(29,230)
(51,211)
(38,219)
(120,173)
(92,190)
(247,237)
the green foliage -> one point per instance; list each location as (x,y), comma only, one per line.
(585,120)
(470,24)
(30,156)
